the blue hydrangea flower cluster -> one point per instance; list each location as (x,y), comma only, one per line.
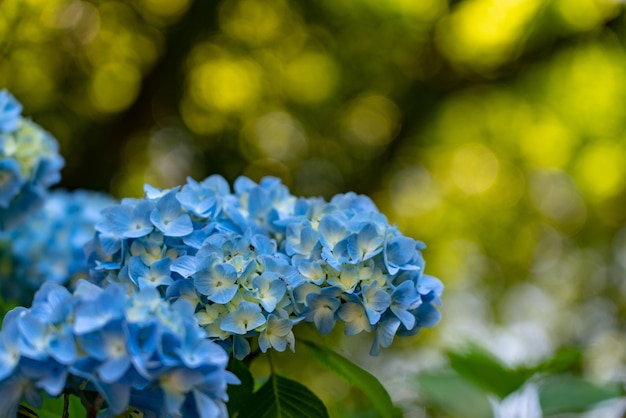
(49,247)
(139,351)
(29,163)
(257,261)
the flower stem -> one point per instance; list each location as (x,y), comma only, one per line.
(66,405)
(95,407)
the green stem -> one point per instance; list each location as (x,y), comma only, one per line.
(79,392)
(66,405)
(274,383)
(95,407)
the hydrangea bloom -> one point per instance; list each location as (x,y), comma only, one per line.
(49,247)
(257,261)
(29,163)
(139,351)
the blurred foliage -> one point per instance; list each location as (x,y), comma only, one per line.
(493,130)
(478,379)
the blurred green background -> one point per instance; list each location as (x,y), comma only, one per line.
(493,130)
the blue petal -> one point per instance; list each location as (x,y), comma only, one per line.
(92,315)
(62,348)
(167,217)
(116,220)
(200,201)
(430,288)
(152,192)
(11,181)
(324,321)
(93,344)
(241,347)
(258,202)
(376,301)
(405,296)
(321,310)
(398,252)
(48,169)
(137,269)
(117,395)
(331,230)
(10,112)
(384,335)
(369,242)
(54,380)
(206,406)
(407,319)
(11,393)
(216,183)
(217,282)
(161,267)
(110,244)
(273,292)
(113,369)
(353,202)
(245,318)
(427,315)
(185,265)
(140,224)
(243,184)
(224,294)
(178,227)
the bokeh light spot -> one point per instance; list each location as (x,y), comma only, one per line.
(484,33)
(584,15)
(166,8)
(586,86)
(422,10)
(547,143)
(509,186)
(601,170)
(274,135)
(413,192)
(68,15)
(33,77)
(371,120)
(198,119)
(252,21)
(474,168)
(556,196)
(311,77)
(114,87)
(227,85)
(171,156)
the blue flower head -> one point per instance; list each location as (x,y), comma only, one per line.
(49,247)
(29,163)
(256,261)
(135,351)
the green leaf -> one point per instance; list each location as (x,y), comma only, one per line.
(487,372)
(565,360)
(572,394)
(25,412)
(239,395)
(280,397)
(454,395)
(53,408)
(355,376)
